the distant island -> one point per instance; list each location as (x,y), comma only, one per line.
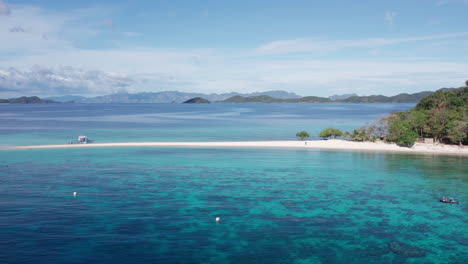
(269,99)
(164,97)
(27,100)
(197,100)
(438,124)
(400,98)
(256,97)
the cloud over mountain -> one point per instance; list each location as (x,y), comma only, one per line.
(4,8)
(63,80)
(109,51)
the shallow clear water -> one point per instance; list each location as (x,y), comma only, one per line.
(158,205)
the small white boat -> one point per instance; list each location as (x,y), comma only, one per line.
(83,140)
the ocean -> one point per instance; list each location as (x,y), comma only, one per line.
(159,205)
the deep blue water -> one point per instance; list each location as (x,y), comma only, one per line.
(158,205)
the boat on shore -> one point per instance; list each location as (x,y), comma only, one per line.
(82,140)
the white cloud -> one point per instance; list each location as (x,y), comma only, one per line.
(390,16)
(131,34)
(17,29)
(4,8)
(446,2)
(33,36)
(318,45)
(63,80)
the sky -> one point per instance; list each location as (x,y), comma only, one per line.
(321,48)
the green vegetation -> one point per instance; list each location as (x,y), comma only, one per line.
(26,100)
(197,100)
(400,98)
(360,134)
(302,135)
(442,116)
(330,132)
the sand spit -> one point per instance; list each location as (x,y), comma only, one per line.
(309,144)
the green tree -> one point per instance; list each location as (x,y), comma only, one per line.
(330,132)
(302,135)
(466,82)
(401,132)
(418,120)
(346,134)
(458,132)
(359,134)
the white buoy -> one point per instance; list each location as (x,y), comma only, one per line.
(74,194)
(217,219)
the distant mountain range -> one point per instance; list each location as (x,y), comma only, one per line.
(67,98)
(342,96)
(269,99)
(400,98)
(257,97)
(165,97)
(26,100)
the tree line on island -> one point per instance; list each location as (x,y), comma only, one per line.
(400,98)
(27,100)
(441,116)
(258,97)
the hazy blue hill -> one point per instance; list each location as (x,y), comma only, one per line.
(400,98)
(27,100)
(342,96)
(197,100)
(269,99)
(175,96)
(66,98)
(366,99)
(311,99)
(252,99)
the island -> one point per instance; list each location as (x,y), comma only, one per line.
(438,124)
(197,100)
(27,100)
(400,98)
(439,118)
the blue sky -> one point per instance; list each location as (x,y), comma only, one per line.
(307,47)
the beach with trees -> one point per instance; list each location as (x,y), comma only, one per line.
(441,117)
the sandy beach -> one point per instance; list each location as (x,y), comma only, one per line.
(309,144)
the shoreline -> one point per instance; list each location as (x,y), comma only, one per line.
(333,144)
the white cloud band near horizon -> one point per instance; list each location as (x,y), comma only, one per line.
(39,55)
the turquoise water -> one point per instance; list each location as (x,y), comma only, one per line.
(158,205)
(60,123)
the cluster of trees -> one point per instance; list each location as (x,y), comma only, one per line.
(442,116)
(302,135)
(330,132)
(360,134)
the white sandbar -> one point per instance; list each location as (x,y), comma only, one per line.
(309,144)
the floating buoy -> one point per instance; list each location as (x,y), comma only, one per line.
(74,194)
(217,219)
